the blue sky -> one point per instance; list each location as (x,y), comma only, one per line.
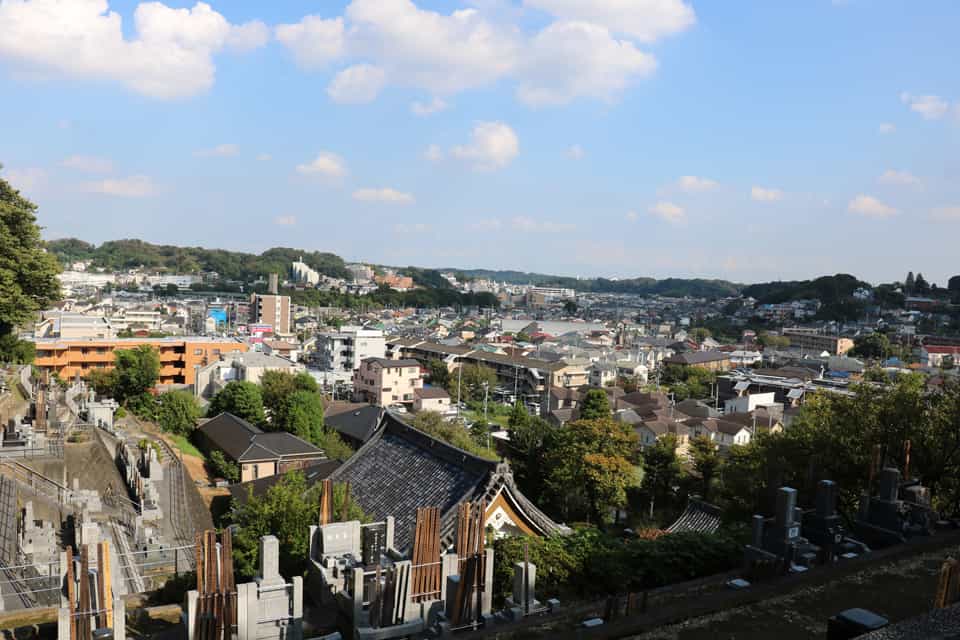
(742,140)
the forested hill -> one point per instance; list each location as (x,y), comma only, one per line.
(118,255)
(826,289)
(672,287)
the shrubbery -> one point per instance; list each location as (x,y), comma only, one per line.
(591,563)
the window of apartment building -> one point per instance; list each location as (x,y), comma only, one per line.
(198,352)
(216,352)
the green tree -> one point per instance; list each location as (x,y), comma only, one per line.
(222,467)
(439,373)
(451,432)
(661,473)
(876,345)
(706,461)
(595,405)
(178,412)
(242,399)
(135,371)
(101,381)
(527,453)
(287,510)
(570,307)
(471,381)
(28,274)
(700,334)
(16,351)
(909,283)
(921,286)
(303,415)
(277,387)
(589,466)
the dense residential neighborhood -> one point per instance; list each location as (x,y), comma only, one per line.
(479,320)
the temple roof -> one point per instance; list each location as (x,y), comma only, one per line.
(401,469)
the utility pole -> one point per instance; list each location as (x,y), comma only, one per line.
(459,379)
(486,425)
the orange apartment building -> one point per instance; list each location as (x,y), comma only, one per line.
(179,357)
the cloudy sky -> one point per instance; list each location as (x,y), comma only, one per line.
(743,140)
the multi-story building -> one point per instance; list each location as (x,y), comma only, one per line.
(273,310)
(303,273)
(179,357)
(395,282)
(360,273)
(247,367)
(343,350)
(384,382)
(811,340)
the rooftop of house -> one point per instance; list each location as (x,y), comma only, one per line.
(392,364)
(697,357)
(431,393)
(314,473)
(244,442)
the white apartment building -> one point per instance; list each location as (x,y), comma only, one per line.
(303,273)
(385,382)
(343,350)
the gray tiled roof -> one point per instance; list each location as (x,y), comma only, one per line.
(401,469)
(698,516)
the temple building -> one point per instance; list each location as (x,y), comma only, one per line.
(401,469)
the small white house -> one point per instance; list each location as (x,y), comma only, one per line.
(431,399)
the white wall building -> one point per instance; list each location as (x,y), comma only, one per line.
(343,350)
(303,273)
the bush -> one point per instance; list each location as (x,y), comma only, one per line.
(591,563)
(223,467)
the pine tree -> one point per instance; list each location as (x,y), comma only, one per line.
(909,283)
(28,274)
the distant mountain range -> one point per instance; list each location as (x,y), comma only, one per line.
(120,255)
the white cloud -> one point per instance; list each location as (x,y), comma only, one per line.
(669,212)
(131,187)
(887,127)
(645,20)
(946,214)
(248,36)
(325,164)
(903,178)
(418,227)
(385,194)
(263,157)
(489,224)
(930,107)
(446,53)
(424,109)
(314,41)
(569,60)
(27,179)
(763,194)
(632,216)
(170,57)
(88,164)
(493,145)
(285,221)
(575,152)
(530,225)
(870,207)
(429,50)
(358,84)
(433,153)
(219,151)
(696,184)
